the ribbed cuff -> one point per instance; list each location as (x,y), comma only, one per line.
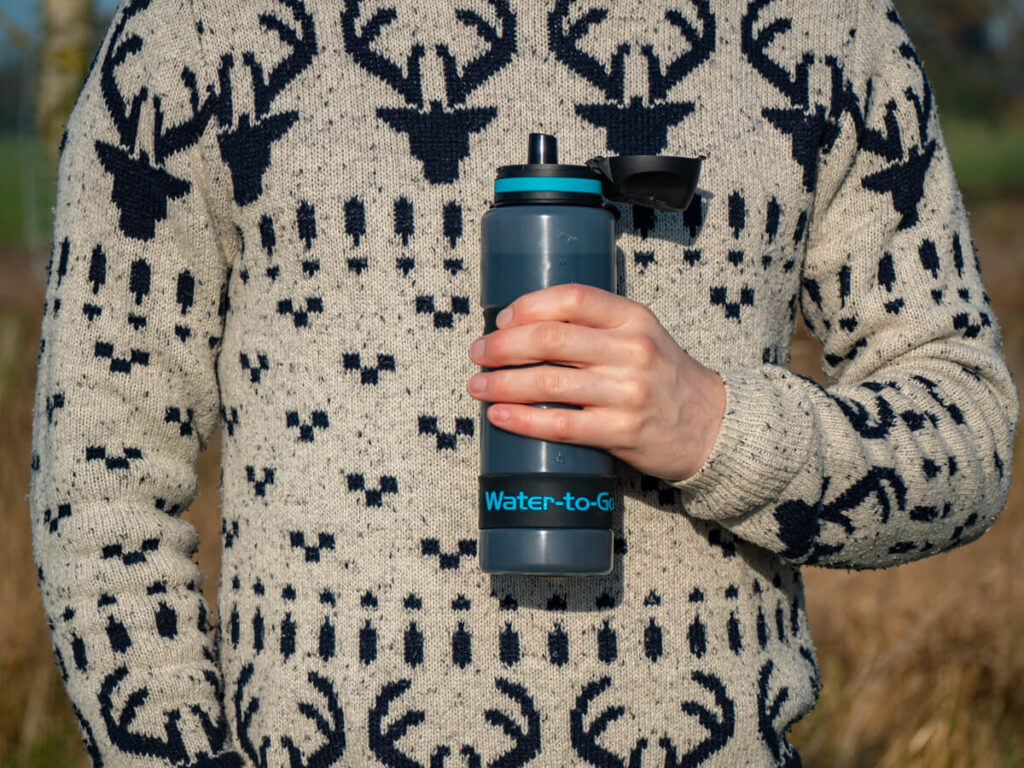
(764,440)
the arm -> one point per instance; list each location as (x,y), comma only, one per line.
(127,397)
(908,451)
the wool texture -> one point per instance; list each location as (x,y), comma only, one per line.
(267,223)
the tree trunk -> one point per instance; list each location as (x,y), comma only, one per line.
(64,57)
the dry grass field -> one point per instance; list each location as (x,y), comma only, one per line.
(922,664)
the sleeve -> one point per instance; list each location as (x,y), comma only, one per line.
(127,396)
(908,450)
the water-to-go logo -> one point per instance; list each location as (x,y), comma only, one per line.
(522,501)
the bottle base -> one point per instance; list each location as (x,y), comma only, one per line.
(546,551)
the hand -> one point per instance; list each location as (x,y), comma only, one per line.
(645,401)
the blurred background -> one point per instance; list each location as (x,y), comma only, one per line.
(922,664)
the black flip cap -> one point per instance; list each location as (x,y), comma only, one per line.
(664,182)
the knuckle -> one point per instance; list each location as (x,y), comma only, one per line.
(629,426)
(552,382)
(561,425)
(647,315)
(551,336)
(636,391)
(575,296)
(642,351)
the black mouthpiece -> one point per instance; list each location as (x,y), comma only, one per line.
(543,148)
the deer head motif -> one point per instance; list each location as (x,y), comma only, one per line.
(246,147)
(813,128)
(904,178)
(143,187)
(635,128)
(438,137)
(801,523)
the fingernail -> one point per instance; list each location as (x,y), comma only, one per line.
(477,349)
(504,317)
(477,384)
(499,413)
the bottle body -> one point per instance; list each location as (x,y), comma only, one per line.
(545,507)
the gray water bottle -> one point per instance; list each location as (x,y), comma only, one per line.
(546,507)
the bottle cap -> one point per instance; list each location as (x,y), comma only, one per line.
(664,182)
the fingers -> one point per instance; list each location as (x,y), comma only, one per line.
(597,427)
(574,303)
(553,341)
(556,384)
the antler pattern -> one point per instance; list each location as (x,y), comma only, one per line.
(334,731)
(564,43)
(768,711)
(243,721)
(792,85)
(812,128)
(439,138)
(720,727)
(584,738)
(302,48)
(526,742)
(701,46)
(358,45)
(125,119)
(904,178)
(501,44)
(637,128)
(383,742)
(171,749)
(216,730)
(186,133)
(800,523)
(246,147)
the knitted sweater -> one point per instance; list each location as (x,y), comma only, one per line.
(267,223)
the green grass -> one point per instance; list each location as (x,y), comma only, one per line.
(988,157)
(57,750)
(27,190)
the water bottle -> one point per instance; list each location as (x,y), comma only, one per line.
(546,508)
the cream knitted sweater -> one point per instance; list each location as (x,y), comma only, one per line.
(268,223)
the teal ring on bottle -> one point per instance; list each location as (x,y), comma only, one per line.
(547,184)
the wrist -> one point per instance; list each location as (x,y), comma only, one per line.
(705,414)
(715,412)
(766,438)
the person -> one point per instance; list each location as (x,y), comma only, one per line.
(267,223)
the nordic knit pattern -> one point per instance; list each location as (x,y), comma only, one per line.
(268,223)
